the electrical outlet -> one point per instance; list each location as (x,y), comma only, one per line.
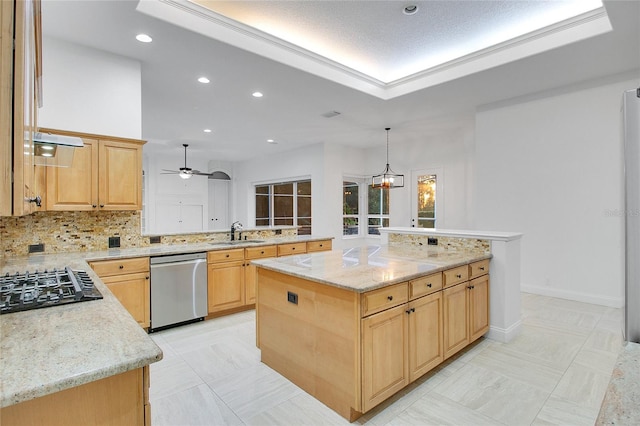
(114,242)
(278,231)
(36,248)
(292,298)
(432,241)
(155,240)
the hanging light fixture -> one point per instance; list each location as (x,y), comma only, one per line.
(388,178)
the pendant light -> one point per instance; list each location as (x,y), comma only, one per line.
(388,178)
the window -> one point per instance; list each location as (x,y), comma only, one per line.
(378,213)
(362,204)
(285,203)
(426,201)
(350,208)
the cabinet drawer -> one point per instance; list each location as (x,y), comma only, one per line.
(318,245)
(292,248)
(383,298)
(225,255)
(425,285)
(477,269)
(260,252)
(455,275)
(107,268)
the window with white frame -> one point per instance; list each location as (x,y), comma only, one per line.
(285,203)
(362,206)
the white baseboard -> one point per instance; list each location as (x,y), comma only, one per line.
(613,302)
(504,335)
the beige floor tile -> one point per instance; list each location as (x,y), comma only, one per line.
(583,386)
(547,347)
(302,409)
(559,412)
(254,390)
(494,395)
(197,406)
(517,367)
(604,340)
(601,361)
(434,409)
(170,376)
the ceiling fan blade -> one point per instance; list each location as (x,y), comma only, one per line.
(170,171)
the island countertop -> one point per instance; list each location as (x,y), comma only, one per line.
(362,269)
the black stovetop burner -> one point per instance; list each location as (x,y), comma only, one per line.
(21,292)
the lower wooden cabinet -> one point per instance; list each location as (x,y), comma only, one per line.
(118,400)
(128,280)
(425,326)
(250,280)
(466,313)
(399,345)
(385,368)
(225,285)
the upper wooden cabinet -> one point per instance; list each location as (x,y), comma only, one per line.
(106,174)
(20,75)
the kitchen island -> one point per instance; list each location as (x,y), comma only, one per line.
(354,327)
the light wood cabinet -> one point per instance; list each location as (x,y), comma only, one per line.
(117,400)
(106,174)
(466,311)
(20,91)
(128,280)
(321,245)
(250,280)
(291,248)
(425,329)
(385,368)
(225,279)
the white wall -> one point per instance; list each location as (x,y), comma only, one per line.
(552,169)
(91,91)
(173,204)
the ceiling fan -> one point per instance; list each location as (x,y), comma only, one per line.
(186,172)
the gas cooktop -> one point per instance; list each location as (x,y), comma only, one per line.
(34,290)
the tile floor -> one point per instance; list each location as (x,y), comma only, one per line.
(555,373)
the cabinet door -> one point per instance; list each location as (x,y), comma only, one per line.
(384,359)
(6,106)
(250,281)
(120,182)
(455,310)
(133,291)
(478,307)
(225,286)
(75,187)
(425,335)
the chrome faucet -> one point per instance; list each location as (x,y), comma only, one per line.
(235,226)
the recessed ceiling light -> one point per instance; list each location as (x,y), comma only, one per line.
(204,80)
(144,38)
(207,130)
(271,141)
(257,94)
(410,10)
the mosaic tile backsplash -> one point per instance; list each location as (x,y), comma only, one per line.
(90,231)
(444,243)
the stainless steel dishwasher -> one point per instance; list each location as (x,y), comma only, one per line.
(178,289)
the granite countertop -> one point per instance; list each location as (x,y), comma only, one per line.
(47,350)
(362,269)
(620,404)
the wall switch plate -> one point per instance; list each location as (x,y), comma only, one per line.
(114,242)
(292,298)
(432,241)
(155,240)
(36,248)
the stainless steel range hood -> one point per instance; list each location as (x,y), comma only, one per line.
(54,150)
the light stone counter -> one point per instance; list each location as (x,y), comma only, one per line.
(362,269)
(47,350)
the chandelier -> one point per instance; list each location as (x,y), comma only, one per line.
(388,178)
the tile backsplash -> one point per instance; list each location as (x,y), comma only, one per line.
(444,243)
(62,232)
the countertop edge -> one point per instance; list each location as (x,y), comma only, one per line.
(485,235)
